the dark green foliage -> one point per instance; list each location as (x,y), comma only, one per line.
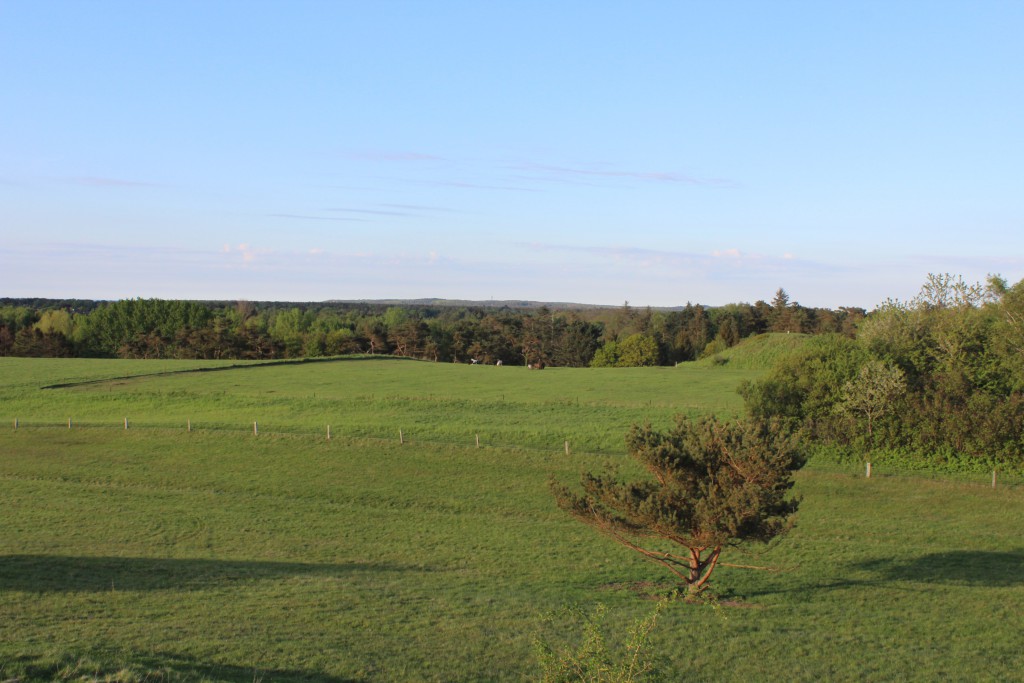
(32,343)
(712,484)
(140,327)
(553,336)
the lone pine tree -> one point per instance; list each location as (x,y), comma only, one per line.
(713,484)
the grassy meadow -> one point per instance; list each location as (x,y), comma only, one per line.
(373,398)
(160,554)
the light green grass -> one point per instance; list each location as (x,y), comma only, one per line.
(444,403)
(155,554)
(758,353)
(17,374)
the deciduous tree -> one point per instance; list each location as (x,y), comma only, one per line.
(873,391)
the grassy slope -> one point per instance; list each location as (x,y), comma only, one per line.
(28,373)
(591,408)
(758,353)
(219,556)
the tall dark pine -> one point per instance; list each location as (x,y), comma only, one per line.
(781,300)
(712,485)
(783,313)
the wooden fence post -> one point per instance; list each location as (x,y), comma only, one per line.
(478,441)
(567,448)
(993,478)
(15,424)
(328,432)
(126,424)
(868,473)
(255,429)
(401,437)
(69,423)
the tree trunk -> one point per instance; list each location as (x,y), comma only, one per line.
(700,571)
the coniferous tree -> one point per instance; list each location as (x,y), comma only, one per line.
(712,485)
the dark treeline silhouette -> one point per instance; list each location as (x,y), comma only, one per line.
(573,337)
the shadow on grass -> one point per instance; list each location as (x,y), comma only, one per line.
(960,567)
(222,368)
(955,568)
(157,667)
(57,573)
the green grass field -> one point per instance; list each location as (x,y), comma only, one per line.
(428,402)
(158,554)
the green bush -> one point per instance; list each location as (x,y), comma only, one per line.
(584,650)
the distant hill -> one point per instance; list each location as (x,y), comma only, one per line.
(518,304)
(85,305)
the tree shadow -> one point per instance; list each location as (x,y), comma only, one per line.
(799,589)
(58,574)
(183,667)
(1003,569)
(224,368)
(956,567)
(156,667)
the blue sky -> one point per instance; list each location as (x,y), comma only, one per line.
(596,152)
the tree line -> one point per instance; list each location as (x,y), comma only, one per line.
(623,336)
(934,381)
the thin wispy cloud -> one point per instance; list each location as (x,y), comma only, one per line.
(656,176)
(419,207)
(97,181)
(473,186)
(373,212)
(317,218)
(973,264)
(563,180)
(669,259)
(379,155)
(588,274)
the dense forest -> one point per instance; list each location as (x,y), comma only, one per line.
(572,337)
